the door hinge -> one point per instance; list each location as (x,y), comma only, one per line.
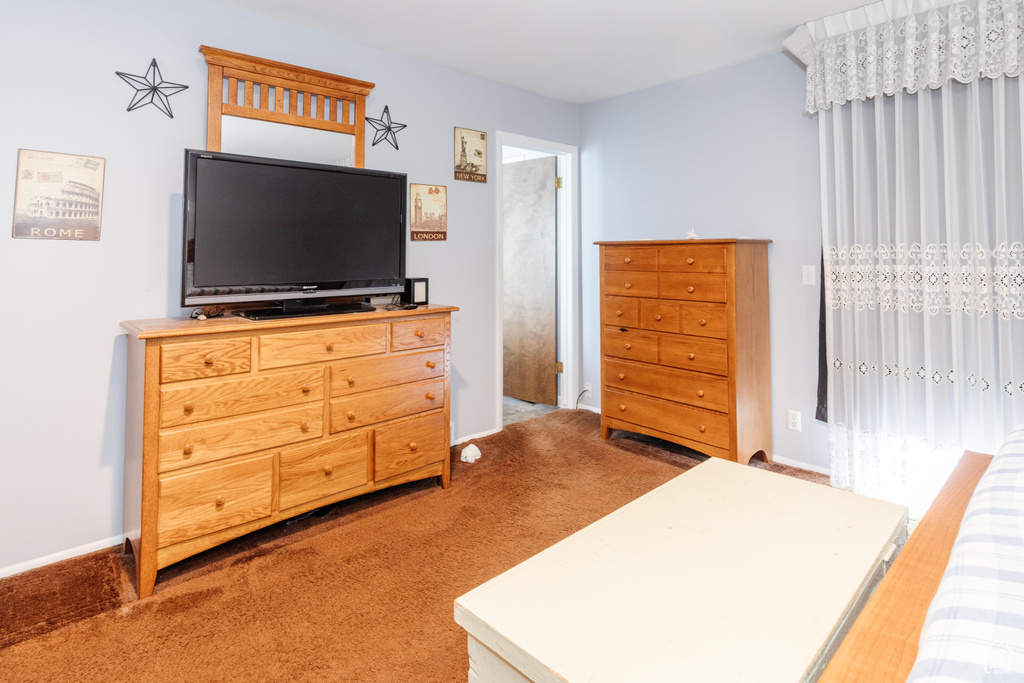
(558,367)
(558,183)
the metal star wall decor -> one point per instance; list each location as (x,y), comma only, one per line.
(386,128)
(151,89)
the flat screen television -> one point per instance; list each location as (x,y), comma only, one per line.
(289,233)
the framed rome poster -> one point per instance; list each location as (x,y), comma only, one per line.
(429,212)
(58,196)
(470,155)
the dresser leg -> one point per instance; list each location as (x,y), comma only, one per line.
(606,431)
(446,474)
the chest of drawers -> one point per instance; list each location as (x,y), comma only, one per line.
(233,425)
(685,344)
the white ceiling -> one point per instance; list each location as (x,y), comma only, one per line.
(578,51)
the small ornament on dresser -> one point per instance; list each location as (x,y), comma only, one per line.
(691,234)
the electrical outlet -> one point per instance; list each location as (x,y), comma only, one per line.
(586,388)
(793,420)
(807,275)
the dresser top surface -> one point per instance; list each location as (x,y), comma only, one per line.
(156,328)
(656,243)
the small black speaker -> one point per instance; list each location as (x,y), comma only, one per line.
(415,291)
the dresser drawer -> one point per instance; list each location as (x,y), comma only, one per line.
(630,258)
(617,310)
(212,400)
(209,441)
(207,358)
(296,348)
(694,353)
(194,504)
(656,314)
(693,286)
(323,468)
(406,446)
(417,334)
(354,376)
(360,410)
(692,388)
(691,423)
(622,283)
(693,258)
(642,346)
(704,320)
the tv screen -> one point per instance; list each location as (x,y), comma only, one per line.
(259,229)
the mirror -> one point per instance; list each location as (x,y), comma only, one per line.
(283,141)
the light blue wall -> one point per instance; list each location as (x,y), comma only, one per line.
(728,154)
(63,368)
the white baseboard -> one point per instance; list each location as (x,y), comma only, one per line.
(592,409)
(464,439)
(799,464)
(62,555)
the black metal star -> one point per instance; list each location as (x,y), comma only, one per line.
(151,89)
(386,128)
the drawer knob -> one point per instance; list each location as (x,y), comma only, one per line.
(431,364)
(420,333)
(330,346)
(628,260)
(701,429)
(430,396)
(690,356)
(412,445)
(219,502)
(690,289)
(702,322)
(689,261)
(629,346)
(622,408)
(189,406)
(622,376)
(187,450)
(657,316)
(328,470)
(351,414)
(700,393)
(627,285)
(209,359)
(350,380)
(619,313)
(305,388)
(303,425)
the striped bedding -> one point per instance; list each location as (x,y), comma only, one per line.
(974,630)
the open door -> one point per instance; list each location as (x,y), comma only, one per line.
(529,206)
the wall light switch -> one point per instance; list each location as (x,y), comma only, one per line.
(807,276)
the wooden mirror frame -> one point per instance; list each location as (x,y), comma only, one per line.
(315,98)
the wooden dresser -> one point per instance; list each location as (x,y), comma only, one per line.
(233,425)
(685,344)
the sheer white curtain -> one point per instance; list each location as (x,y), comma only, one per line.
(923,225)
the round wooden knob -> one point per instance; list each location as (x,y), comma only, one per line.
(209,359)
(702,322)
(303,425)
(412,445)
(622,376)
(700,393)
(430,396)
(689,261)
(350,380)
(330,346)
(219,502)
(618,312)
(351,414)
(328,470)
(701,429)
(628,260)
(627,285)
(187,450)
(690,356)
(690,289)
(189,407)
(629,346)
(305,388)
(657,316)
(420,333)
(431,364)
(622,408)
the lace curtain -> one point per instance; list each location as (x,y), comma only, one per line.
(907,45)
(923,234)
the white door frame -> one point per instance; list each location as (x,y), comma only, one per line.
(568,238)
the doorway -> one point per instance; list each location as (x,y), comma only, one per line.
(537,277)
